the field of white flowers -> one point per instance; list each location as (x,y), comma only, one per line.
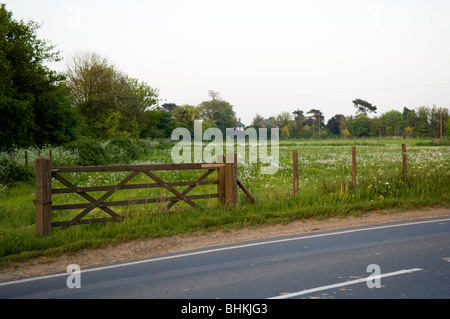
(325,190)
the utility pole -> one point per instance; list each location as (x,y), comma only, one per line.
(441,122)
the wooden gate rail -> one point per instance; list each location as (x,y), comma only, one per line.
(226,182)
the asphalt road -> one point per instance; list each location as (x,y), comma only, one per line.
(410,259)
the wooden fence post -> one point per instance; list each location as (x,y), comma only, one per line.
(404,161)
(43,201)
(221,180)
(354,166)
(295,170)
(231,198)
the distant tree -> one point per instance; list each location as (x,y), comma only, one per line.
(316,119)
(335,124)
(185,115)
(299,117)
(447,127)
(218,112)
(285,132)
(422,126)
(362,106)
(284,119)
(408,132)
(299,120)
(392,123)
(102,94)
(157,123)
(34,108)
(169,106)
(345,133)
(257,121)
(435,120)
(359,126)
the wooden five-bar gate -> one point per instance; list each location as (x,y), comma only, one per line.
(227,183)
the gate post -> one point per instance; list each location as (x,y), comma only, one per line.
(231,198)
(43,201)
(221,179)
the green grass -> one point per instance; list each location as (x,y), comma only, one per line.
(324,183)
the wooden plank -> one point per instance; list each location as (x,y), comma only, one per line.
(246,191)
(191,187)
(133,202)
(101,199)
(135,168)
(84,194)
(171,189)
(129,186)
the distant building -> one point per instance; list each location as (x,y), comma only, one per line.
(268,123)
(239,125)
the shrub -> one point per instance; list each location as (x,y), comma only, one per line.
(122,150)
(90,151)
(14,172)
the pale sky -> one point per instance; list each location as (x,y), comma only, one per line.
(264,57)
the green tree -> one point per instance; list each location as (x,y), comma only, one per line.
(257,122)
(284,119)
(422,126)
(336,124)
(185,115)
(285,132)
(408,132)
(436,113)
(316,119)
(359,126)
(34,107)
(393,123)
(362,106)
(345,133)
(447,127)
(102,94)
(218,112)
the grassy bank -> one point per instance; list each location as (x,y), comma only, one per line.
(324,183)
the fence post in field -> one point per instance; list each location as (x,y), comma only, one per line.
(231,198)
(404,161)
(295,169)
(354,166)
(43,201)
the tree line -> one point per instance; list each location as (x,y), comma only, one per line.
(423,121)
(94,99)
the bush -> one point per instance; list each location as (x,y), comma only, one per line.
(122,150)
(14,172)
(90,151)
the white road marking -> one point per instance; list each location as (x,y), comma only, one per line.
(268,242)
(346,283)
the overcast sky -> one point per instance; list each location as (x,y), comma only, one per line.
(264,57)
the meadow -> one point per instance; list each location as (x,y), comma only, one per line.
(325,190)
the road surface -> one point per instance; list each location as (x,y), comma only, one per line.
(409,259)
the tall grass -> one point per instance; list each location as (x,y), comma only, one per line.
(324,191)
